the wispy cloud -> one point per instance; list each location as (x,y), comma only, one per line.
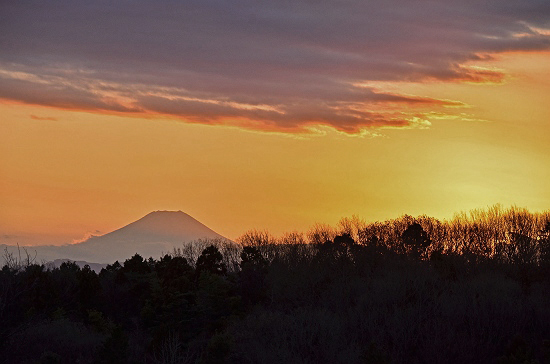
(87,236)
(45,118)
(280,66)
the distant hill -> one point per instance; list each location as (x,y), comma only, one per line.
(96,267)
(156,233)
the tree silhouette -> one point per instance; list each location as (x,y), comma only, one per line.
(345,241)
(416,238)
(252,259)
(169,268)
(89,286)
(544,245)
(211,260)
(174,273)
(136,264)
(252,275)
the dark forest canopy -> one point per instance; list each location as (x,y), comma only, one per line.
(475,289)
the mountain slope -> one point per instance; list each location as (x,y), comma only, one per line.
(157,226)
(156,233)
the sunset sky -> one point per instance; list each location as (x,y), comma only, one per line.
(269,115)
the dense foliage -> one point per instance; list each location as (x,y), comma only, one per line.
(475,289)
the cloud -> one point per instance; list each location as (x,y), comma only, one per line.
(45,118)
(88,235)
(268,65)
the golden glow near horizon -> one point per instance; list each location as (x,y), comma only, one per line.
(66,173)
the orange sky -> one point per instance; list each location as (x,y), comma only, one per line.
(67,173)
(268,115)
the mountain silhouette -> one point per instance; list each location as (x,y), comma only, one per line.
(158,226)
(156,233)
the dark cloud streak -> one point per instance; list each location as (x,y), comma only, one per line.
(44,118)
